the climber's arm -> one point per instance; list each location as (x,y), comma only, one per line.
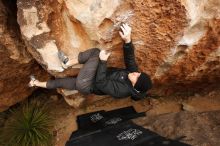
(128,49)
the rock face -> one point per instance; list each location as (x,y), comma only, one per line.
(177,41)
(16,63)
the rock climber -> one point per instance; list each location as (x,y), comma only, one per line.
(94,77)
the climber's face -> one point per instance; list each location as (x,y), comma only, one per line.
(133,77)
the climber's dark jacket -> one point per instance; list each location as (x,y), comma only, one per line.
(114,81)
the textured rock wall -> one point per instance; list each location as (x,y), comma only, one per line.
(195,63)
(177,41)
(16,63)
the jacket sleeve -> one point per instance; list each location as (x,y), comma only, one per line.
(129,57)
(106,85)
(101,71)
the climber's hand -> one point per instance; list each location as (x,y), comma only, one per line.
(103,55)
(125,33)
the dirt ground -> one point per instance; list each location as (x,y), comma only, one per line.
(172,117)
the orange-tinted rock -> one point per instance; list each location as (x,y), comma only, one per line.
(177,41)
(16,63)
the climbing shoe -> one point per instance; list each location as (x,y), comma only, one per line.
(63,58)
(32,78)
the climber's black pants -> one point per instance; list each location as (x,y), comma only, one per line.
(83,82)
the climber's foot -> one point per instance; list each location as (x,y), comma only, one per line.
(63,58)
(71,62)
(33,81)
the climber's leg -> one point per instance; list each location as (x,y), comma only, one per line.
(66,83)
(86,76)
(83,57)
(83,82)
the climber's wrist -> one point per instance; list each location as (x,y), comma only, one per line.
(128,40)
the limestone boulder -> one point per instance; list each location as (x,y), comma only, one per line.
(177,41)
